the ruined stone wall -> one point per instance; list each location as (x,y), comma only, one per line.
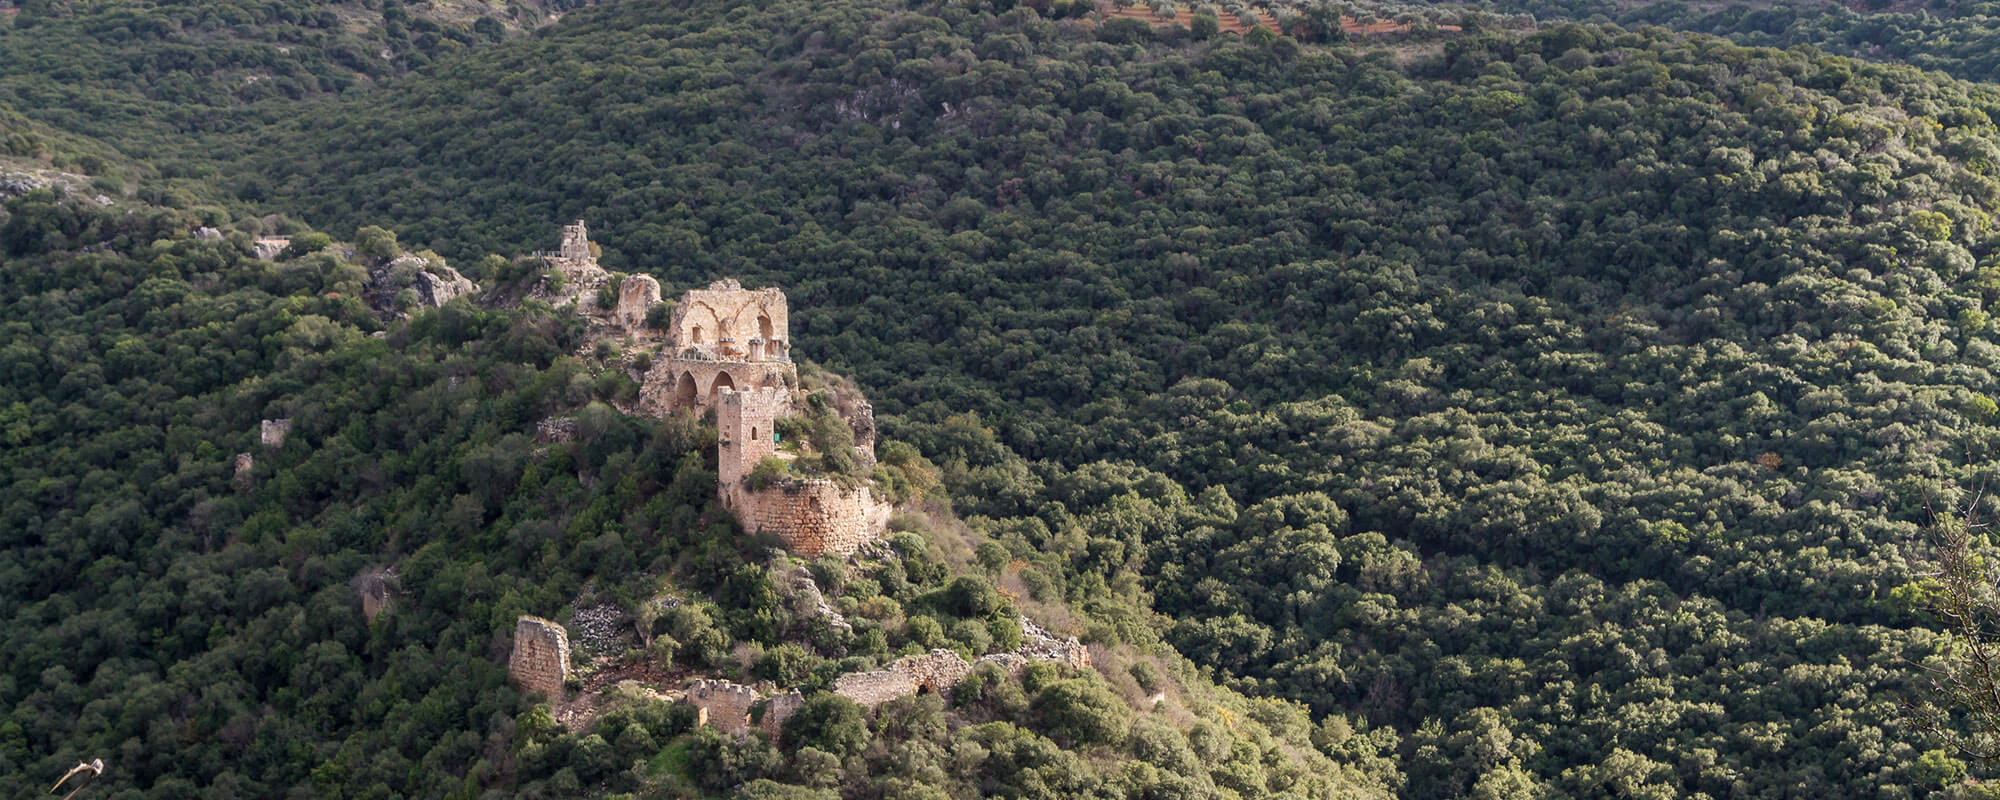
(940,670)
(636,295)
(723,704)
(779,708)
(874,688)
(576,243)
(540,662)
(729,321)
(743,427)
(813,517)
(683,384)
(936,671)
(1041,645)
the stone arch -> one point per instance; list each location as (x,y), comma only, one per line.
(722,381)
(701,324)
(763,325)
(684,392)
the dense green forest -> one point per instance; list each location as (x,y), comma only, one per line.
(1953,36)
(1545,414)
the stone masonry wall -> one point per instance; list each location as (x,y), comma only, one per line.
(779,708)
(814,517)
(272,431)
(940,670)
(874,688)
(743,422)
(682,384)
(723,704)
(541,656)
(725,317)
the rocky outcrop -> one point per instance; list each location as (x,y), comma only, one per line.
(267,248)
(636,295)
(439,284)
(1039,644)
(540,663)
(433,282)
(555,429)
(804,588)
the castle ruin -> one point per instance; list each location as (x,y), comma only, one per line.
(727,349)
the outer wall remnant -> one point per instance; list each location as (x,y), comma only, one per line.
(723,704)
(541,656)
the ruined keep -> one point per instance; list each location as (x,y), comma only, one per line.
(719,338)
(540,662)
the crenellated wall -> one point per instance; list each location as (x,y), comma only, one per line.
(723,704)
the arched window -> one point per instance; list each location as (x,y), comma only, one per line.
(697,336)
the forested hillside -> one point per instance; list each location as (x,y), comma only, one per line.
(1555,413)
(1959,37)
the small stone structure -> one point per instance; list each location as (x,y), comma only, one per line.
(728,706)
(723,704)
(272,432)
(540,662)
(580,276)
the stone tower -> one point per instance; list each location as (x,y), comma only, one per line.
(575,244)
(743,422)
